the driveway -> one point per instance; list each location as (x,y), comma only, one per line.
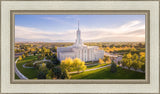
(19,74)
(91,69)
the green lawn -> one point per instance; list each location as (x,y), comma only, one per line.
(16,77)
(104,73)
(30,73)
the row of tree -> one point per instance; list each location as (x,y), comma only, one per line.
(105,60)
(108,49)
(134,61)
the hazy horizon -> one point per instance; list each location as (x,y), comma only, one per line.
(94,28)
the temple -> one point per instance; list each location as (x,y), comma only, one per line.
(79,50)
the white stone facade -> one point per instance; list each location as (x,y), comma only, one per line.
(79,50)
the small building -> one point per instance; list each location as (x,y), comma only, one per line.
(79,50)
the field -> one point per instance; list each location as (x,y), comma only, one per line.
(105,73)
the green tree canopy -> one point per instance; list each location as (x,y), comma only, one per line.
(78,65)
(67,64)
(113,67)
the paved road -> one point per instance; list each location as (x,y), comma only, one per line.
(41,61)
(92,64)
(19,54)
(19,74)
(91,69)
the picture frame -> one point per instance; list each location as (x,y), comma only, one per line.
(10,8)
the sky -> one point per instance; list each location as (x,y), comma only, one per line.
(94,28)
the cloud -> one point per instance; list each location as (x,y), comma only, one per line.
(28,33)
(131,31)
(57,20)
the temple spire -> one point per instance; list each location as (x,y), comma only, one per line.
(78,38)
(78,24)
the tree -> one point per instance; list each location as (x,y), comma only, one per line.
(113,67)
(135,64)
(141,45)
(133,49)
(50,74)
(65,75)
(34,53)
(142,53)
(78,65)
(135,57)
(119,62)
(125,56)
(55,49)
(57,72)
(142,58)
(129,63)
(67,64)
(40,50)
(49,65)
(129,55)
(101,61)
(31,45)
(124,62)
(23,56)
(42,71)
(20,57)
(139,64)
(42,75)
(108,60)
(43,67)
